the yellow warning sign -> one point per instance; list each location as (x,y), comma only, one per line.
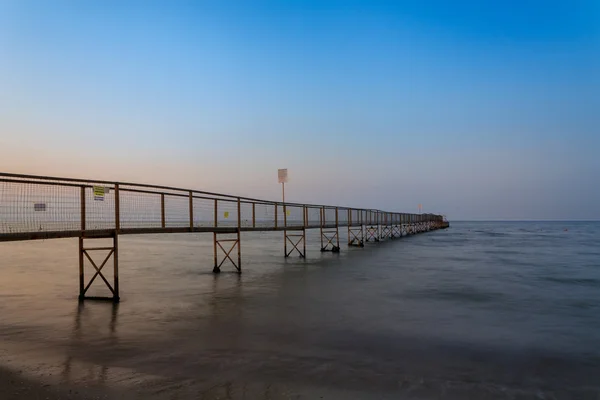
(99,193)
(287,212)
(226,214)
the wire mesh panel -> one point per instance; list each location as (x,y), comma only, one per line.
(368,217)
(355,217)
(314,216)
(295,216)
(140,210)
(204,212)
(177,211)
(99,210)
(280,215)
(35,207)
(246,214)
(227,214)
(329,216)
(264,214)
(342,216)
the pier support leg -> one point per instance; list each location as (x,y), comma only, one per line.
(295,240)
(330,240)
(226,246)
(372,233)
(386,232)
(396,231)
(109,251)
(356,236)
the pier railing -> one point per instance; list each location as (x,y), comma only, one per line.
(36,207)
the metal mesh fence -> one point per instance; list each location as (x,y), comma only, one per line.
(177,211)
(329,215)
(35,207)
(140,210)
(204,212)
(37,204)
(342,216)
(246,214)
(265,215)
(314,216)
(227,214)
(295,216)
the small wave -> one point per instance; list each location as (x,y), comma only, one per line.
(466,295)
(573,281)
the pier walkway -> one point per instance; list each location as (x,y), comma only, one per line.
(38,207)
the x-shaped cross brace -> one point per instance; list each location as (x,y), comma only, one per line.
(355,237)
(98,271)
(334,248)
(385,231)
(227,253)
(372,232)
(295,245)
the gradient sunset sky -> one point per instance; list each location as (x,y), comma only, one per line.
(476,109)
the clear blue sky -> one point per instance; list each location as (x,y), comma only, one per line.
(476,109)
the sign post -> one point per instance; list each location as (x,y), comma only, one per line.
(282,174)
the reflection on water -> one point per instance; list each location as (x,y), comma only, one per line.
(481,310)
(94,374)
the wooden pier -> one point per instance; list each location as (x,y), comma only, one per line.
(39,207)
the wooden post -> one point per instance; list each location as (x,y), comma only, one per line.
(322,222)
(284,230)
(116,243)
(117,209)
(191,211)
(239,234)
(215,269)
(305,215)
(216,215)
(81,271)
(82,204)
(254,215)
(116,296)
(337,229)
(162,210)
(349,223)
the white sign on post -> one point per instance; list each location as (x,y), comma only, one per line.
(282,175)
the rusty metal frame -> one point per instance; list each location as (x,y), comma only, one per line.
(356,234)
(354,238)
(301,238)
(372,233)
(84,253)
(396,231)
(217,245)
(330,236)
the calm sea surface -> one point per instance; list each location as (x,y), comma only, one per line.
(481,310)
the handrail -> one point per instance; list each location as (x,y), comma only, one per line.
(12,177)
